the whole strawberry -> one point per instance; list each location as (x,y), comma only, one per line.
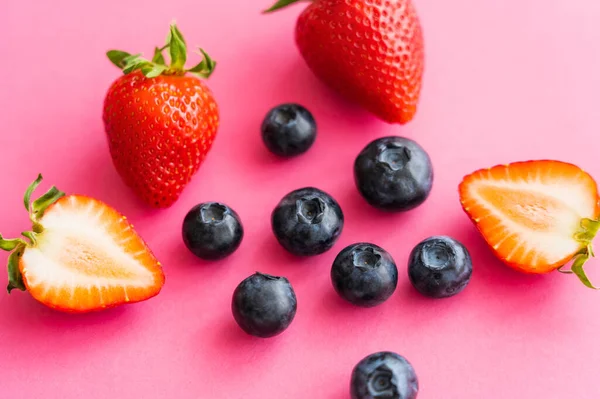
(369,51)
(160,120)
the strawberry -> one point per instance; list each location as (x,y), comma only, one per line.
(369,51)
(536,216)
(160,120)
(80,256)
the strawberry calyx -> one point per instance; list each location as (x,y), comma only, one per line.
(585,235)
(281,4)
(17,246)
(177,47)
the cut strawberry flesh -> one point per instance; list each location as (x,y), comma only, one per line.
(89,257)
(529,212)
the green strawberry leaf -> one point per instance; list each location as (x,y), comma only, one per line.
(117,57)
(135,65)
(9,245)
(127,62)
(153,70)
(175,31)
(131,58)
(50,197)
(30,190)
(206,67)
(15,279)
(177,49)
(158,56)
(280,4)
(31,236)
(176,44)
(577,268)
(588,230)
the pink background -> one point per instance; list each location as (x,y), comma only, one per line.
(505,81)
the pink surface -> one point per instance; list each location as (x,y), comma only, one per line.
(505,81)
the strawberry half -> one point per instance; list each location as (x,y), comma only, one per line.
(536,216)
(81,255)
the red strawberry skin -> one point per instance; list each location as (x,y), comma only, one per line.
(159,131)
(371,52)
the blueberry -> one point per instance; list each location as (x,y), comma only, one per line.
(439,267)
(264,305)
(384,375)
(212,230)
(289,130)
(307,222)
(364,274)
(393,174)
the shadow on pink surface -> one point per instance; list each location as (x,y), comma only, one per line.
(360,214)
(240,353)
(232,340)
(509,294)
(337,310)
(24,311)
(281,261)
(185,273)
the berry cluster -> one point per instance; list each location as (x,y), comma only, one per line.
(393,174)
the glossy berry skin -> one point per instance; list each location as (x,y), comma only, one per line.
(289,130)
(264,305)
(307,222)
(440,267)
(364,274)
(393,174)
(212,230)
(159,131)
(371,52)
(384,375)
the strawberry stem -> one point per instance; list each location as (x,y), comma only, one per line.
(577,268)
(40,205)
(10,245)
(158,66)
(281,4)
(29,191)
(158,56)
(15,279)
(31,236)
(585,235)
(17,246)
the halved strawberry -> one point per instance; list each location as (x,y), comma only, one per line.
(536,215)
(81,255)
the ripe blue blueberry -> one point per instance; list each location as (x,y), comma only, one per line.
(364,274)
(307,222)
(440,267)
(264,305)
(289,130)
(384,375)
(393,174)
(212,230)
